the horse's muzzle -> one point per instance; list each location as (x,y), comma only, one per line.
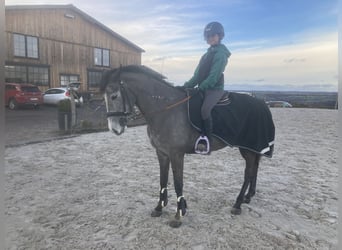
(117,125)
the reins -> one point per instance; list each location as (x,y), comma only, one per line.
(177,103)
(168,107)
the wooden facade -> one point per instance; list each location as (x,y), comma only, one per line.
(69,43)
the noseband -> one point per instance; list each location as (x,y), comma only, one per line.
(125,99)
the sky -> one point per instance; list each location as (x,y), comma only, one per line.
(274,44)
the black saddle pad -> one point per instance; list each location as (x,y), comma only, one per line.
(239,121)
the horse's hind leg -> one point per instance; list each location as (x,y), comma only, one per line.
(251,170)
(164,165)
(252,186)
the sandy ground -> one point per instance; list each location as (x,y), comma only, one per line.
(96,191)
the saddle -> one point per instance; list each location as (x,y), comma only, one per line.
(224,99)
(239,120)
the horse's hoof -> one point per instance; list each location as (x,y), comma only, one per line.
(175,223)
(156,213)
(236,211)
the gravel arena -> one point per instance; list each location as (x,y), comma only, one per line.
(97,191)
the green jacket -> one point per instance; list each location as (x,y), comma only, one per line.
(209,72)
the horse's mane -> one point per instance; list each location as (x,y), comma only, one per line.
(133,69)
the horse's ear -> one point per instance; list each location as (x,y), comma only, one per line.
(107,75)
(104,79)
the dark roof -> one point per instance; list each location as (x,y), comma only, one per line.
(85,15)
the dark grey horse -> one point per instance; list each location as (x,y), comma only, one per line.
(165,110)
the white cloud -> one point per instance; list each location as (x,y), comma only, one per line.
(309,58)
(309,62)
(306,63)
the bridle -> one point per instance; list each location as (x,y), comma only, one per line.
(125,99)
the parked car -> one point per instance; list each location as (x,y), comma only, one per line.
(20,94)
(55,95)
(245,93)
(74,85)
(279,104)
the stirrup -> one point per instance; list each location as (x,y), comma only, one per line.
(202,142)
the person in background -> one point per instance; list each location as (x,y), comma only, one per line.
(209,78)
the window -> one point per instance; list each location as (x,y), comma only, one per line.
(32,46)
(98,56)
(101,57)
(29,89)
(105,57)
(25,46)
(38,75)
(94,78)
(15,73)
(19,45)
(9,87)
(66,79)
(54,91)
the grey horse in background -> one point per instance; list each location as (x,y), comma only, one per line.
(164,108)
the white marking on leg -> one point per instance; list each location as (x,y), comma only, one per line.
(179,198)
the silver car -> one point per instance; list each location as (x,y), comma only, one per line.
(278,104)
(55,95)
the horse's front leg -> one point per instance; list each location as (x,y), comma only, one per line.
(164,165)
(177,163)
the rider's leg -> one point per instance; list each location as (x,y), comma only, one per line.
(211,98)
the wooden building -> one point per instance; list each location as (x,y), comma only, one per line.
(54,45)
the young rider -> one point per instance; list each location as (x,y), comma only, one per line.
(209,77)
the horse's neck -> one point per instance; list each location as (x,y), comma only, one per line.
(153,97)
(164,109)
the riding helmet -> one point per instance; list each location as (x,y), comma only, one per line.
(212,29)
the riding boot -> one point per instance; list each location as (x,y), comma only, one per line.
(208,130)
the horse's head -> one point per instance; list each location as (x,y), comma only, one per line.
(119,100)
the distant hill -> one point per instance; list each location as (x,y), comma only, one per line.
(299,99)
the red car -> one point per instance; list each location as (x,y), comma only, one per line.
(22,94)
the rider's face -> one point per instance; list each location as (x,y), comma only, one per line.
(213,40)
